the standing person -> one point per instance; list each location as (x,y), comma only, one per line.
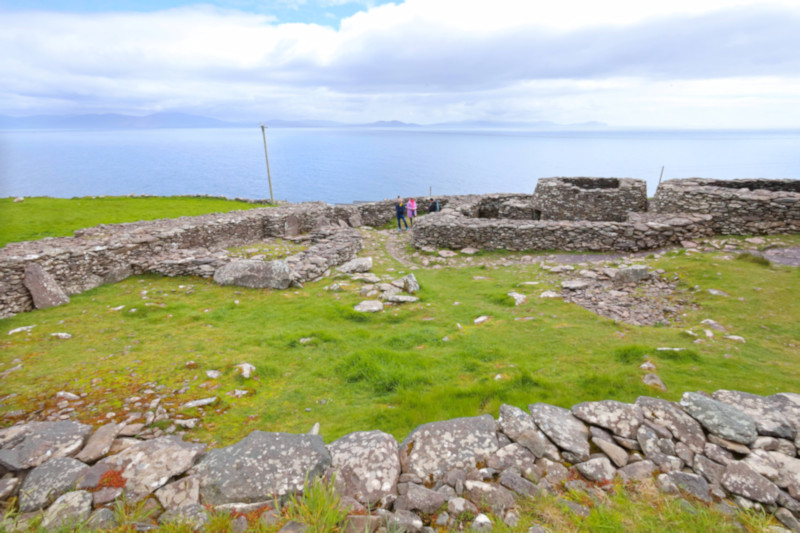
(434,207)
(411,210)
(400,212)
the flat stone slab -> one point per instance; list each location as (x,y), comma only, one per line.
(598,469)
(29,445)
(432,449)
(260,465)
(720,418)
(769,421)
(147,466)
(683,427)
(566,431)
(741,479)
(622,419)
(359,264)
(48,481)
(70,508)
(255,274)
(99,443)
(369,306)
(44,289)
(366,464)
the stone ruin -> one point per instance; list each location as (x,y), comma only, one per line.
(570,214)
(722,449)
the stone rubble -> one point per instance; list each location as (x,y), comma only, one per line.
(459,465)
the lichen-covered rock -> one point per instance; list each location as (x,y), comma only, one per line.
(262,464)
(741,479)
(68,510)
(432,449)
(683,427)
(359,264)
(366,465)
(620,418)
(614,452)
(496,497)
(709,469)
(44,289)
(513,456)
(147,466)
(178,494)
(638,470)
(99,443)
(566,431)
(48,481)
(693,484)
(720,418)
(421,499)
(598,469)
(29,445)
(769,421)
(255,274)
(518,484)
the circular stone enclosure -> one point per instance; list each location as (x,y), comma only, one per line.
(593,199)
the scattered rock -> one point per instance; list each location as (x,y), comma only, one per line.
(369,306)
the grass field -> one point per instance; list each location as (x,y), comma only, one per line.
(317,360)
(39,217)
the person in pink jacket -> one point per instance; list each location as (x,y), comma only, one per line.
(411,210)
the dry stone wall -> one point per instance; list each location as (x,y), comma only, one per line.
(727,446)
(606,199)
(737,207)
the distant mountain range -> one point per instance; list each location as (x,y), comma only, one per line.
(111,121)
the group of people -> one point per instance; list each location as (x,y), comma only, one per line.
(409,209)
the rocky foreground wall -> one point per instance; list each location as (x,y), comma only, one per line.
(727,446)
(178,247)
(737,207)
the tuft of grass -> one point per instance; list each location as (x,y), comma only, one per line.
(631,354)
(755,259)
(319,507)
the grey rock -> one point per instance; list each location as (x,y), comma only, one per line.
(366,464)
(195,516)
(682,426)
(410,283)
(539,445)
(729,445)
(32,444)
(693,484)
(403,522)
(598,469)
(632,274)
(513,455)
(44,289)
(432,449)
(496,497)
(369,306)
(359,264)
(458,506)
(48,481)
(260,464)
(654,381)
(482,523)
(575,284)
(361,524)
(419,498)
(400,298)
(255,274)
(293,527)
(99,443)
(787,519)
(147,466)
(636,471)
(720,418)
(718,454)
(620,418)
(709,469)
(518,484)
(102,519)
(8,486)
(789,406)
(769,421)
(513,421)
(741,479)
(614,452)
(648,441)
(69,509)
(181,493)
(566,431)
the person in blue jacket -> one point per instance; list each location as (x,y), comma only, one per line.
(400,211)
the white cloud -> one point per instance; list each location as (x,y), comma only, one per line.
(715,62)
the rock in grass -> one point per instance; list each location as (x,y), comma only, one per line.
(68,510)
(369,306)
(366,465)
(48,481)
(44,289)
(255,274)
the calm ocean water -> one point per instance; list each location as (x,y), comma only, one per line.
(343,165)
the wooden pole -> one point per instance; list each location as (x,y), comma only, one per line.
(269,177)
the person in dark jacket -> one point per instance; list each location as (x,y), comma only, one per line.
(400,212)
(434,207)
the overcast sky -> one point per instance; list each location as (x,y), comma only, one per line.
(672,63)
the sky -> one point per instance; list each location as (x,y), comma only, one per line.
(627,63)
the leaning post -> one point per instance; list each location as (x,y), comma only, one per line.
(269,177)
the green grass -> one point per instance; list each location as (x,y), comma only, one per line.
(39,217)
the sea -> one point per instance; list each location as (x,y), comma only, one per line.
(345,165)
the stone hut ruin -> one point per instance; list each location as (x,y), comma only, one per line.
(599,199)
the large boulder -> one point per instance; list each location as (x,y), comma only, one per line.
(769,421)
(741,479)
(44,289)
(68,510)
(359,264)
(29,445)
(622,419)
(48,481)
(682,426)
(566,431)
(147,466)
(720,418)
(366,465)
(255,274)
(432,449)
(260,466)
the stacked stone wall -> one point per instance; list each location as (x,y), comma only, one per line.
(598,199)
(737,207)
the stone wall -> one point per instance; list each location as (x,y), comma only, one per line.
(729,446)
(737,207)
(600,199)
(177,247)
